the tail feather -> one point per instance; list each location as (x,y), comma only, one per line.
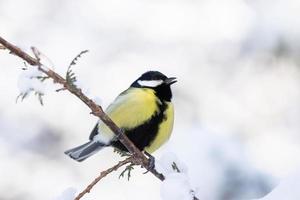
(84,151)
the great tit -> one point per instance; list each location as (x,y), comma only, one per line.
(144,111)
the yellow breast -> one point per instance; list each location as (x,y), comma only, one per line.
(164,131)
(130,109)
(134,107)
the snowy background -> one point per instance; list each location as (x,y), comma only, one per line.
(237,99)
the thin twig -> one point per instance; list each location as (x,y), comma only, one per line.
(73,62)
(18,52)
(102,175)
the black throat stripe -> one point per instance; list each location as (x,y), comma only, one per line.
(143,135)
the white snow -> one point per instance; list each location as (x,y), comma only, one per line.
(164,164)
(176,185)
(28,81)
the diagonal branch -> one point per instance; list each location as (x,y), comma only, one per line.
(95,109)
(18,52)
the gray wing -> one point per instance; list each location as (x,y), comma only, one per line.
(94,132)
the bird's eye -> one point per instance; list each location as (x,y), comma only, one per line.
(150,83)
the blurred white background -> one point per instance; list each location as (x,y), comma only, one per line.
(237,99)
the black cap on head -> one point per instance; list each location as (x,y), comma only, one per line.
(153,75)
(156,81)
(152,79)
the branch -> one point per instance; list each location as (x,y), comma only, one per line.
(18,52)
(96,110)
(103,174)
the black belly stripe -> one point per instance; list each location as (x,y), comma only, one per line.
(143,135)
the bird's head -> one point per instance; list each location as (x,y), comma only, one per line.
(157,81)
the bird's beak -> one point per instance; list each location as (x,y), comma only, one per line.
(170,81)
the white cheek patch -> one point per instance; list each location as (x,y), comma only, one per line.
(150,83)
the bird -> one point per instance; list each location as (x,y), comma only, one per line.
(144,112)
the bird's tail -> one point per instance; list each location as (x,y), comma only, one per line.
(84,151)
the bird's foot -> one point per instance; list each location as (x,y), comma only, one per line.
(151,163)
(118,135)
